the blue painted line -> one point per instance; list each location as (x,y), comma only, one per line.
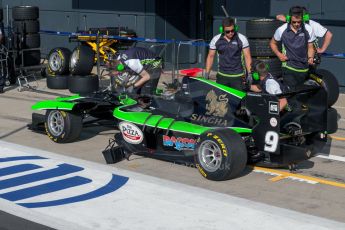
(61,170)
(140,39)
(115,183)
(17,169)
(20,158)
(45,188)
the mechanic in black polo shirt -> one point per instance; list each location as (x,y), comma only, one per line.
(142,62)
(298,52)
(229,46)
(319,31)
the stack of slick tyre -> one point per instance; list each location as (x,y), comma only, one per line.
(259,33)
(80,66)
(26,33)
(58,68)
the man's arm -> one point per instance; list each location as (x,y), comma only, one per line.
(281,17)
(209,60)
(144,77)
(255,88)
(247,59)
(326,42)
(282,103)
(275,49)
(311,53)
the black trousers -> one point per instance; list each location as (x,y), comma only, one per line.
(293,79)
(233,82)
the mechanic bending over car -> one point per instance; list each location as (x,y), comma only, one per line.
(319,31)
(138,61)
(229,46)
(267,83)
(297,54)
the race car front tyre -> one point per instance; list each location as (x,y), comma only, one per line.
(82,60)
(57,82)
(58,61)
(62,126)
(331,85)
(332,121)
(221,155)
(83,84)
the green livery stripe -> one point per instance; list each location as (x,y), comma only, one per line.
(294,69)
(235,92)
(145,118)
(71,98)
(152,120)
(53,105)
(230,75)
(241,130)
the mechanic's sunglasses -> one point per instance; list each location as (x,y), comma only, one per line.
(229,31)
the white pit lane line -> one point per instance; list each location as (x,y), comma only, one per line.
(331,157)
(143,202)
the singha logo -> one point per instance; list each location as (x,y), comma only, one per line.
(216,105)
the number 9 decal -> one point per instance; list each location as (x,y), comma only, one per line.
(271,141)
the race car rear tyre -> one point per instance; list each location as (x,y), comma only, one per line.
(331,85)
(63,126)
(25,13)
(332,120)
(274,65)
(262,28)
(57,82)
(261,48)
(58,61)
(82,60)
(221,155)
(83,84)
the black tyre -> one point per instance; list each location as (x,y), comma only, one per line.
(274,65)
(57,82)
(221,155)
(83,84)
(1,14)
(58,61)
(25,13)
(43,72)
(63,126)
(32,41)
(26,27)
(82,60)
(261,48)
(31,58)
(262,28)
(332,121)
(330,83)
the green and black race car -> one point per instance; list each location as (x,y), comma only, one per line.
(218,128)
